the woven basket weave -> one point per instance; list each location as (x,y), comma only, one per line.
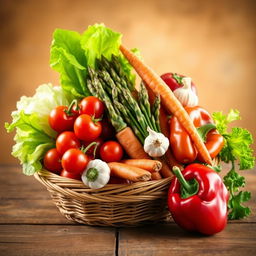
(114,205)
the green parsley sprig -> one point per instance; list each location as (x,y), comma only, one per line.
(236,149)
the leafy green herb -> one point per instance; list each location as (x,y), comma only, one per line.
(237,148)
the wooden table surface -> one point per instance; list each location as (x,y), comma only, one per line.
(30,224)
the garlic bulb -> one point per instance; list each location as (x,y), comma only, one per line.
(185,94)
(97,174)
(155,144)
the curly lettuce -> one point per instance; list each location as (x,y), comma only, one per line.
(34,136)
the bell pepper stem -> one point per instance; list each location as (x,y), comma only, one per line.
(182,180)
(204,129)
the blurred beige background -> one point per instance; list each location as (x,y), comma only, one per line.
(211,41)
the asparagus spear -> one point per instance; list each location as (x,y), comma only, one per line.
(116,120)
(118,68)
(91,88)
(110,70)
(156,112)
(143,101)
(130,121)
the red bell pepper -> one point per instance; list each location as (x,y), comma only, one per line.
(198,199)
(183,147)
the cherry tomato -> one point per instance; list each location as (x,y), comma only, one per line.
(52,161)
(92,106)
(90,151)
(74,161)
(60,121)
(86,128)
(65,141)
(70,175)
(173,80)
(111,151)
(108,131)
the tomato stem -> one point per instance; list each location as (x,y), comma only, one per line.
(69,110)
(85,149)
(95,120)
(178,78)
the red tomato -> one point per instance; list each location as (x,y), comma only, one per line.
(90,151)
(65,141)
(173,80)
(108,131)
(52,161)
(60,121)
(69,175)
(92,106)
(74,161)
(86,128)
(111,151)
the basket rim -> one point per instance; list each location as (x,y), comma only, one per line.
(47,174)
(75,189)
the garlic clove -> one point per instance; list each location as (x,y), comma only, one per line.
(155,144)
(185,95)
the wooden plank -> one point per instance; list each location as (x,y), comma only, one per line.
(16,185)
(25,200)
(162,240)
(56,240)
(39,211)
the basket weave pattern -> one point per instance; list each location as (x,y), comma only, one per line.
(113,205)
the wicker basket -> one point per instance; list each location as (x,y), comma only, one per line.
(114,205)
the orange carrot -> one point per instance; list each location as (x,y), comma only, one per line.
(131,144)
(129,172)
(133,147)
(156,176)
(146,164)
(169,100)
(171,161)
(165,171)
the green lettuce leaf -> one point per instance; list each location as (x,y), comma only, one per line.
(72,53)
(99,40)
(34,136)
(68,58)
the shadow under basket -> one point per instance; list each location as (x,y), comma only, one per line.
(117,205)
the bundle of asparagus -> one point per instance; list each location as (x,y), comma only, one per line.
(111,85)
(124,109)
